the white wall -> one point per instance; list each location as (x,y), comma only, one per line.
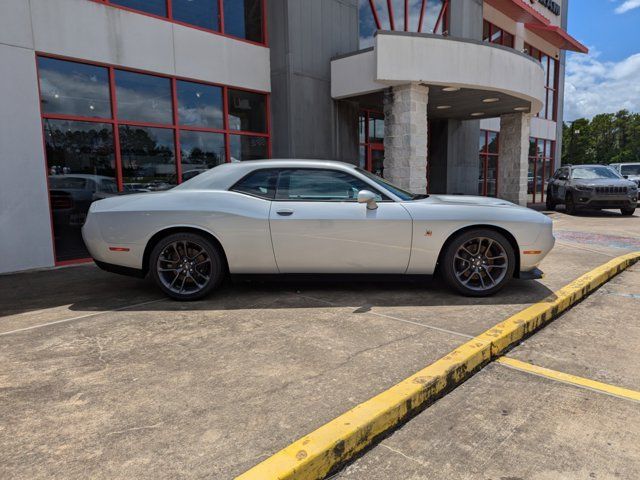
(89,31)
(540,128)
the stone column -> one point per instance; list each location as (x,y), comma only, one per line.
(515,129)
(405,136)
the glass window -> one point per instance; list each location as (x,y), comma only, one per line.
(148,158)
(376,128)
(199,105)
(261,183)
(73,88)
(143,98)
(593,173)
(201,13)
(243,18)
(493,142)
(81,169)
(247,111)
(246,147)
(155,7)
(200,151)
(362,156)
(320,185)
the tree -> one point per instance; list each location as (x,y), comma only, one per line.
(606,138)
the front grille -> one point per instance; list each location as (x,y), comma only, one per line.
(611,190)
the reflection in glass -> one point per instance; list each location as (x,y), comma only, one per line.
(245,147)
(243,18)
(200,151)
(155,7)
(493,142)
(362,157)
(199,104)
(247,111)
(81,169)
(201,13)
(148,159)
(143,98)
(73,88)
(376,128)
(377,162)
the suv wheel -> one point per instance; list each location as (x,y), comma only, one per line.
(627,212)
(551,205)
(186,266)
(570,205)
(478,263)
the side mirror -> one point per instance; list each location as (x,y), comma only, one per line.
(626,177)
(368,197)
(563,177)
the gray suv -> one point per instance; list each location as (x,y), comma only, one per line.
(591,186)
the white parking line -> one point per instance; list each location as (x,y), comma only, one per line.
(79,317)
(431,327)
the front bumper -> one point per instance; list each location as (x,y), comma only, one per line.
(594,200)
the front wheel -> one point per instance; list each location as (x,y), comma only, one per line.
(570,205)
(551,205)
(478,263)
(627,212)
(186,266)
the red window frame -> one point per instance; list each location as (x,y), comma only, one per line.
(367,144)
(115,122)
(169,18)
(485,155)
(544,162)
(493,29)
(551,84)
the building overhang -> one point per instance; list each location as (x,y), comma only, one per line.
(519,10)
(557,36)
(468,79)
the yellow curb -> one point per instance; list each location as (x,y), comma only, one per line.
(607,388)
(323,451)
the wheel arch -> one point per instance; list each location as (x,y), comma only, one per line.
(503,231)
(159,235)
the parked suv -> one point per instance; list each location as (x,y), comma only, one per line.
(591,186)
(630,171)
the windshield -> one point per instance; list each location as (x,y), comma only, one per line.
(397,191)
(592,173)
(630,169)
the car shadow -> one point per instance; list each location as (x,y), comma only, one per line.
(85,288)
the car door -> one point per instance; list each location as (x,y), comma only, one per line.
(317,225)
(561,183)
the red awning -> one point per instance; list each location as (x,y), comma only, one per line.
(558,37)
(519,10)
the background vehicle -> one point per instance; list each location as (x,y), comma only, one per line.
(591,186)
(630,171)
(288,216)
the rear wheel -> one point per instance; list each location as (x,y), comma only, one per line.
(551,205)
(186,266)
(627,212)
(478,263)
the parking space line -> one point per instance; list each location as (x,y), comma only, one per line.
(411,322)
(569,379)
(79,317)
(325,450)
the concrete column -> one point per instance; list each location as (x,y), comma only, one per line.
(515,129)
(405,136)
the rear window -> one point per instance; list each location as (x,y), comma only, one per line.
(261,183)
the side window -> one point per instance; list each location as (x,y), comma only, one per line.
(318,185)
(557,174)
(261,183)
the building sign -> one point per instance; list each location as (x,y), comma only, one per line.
(550,5)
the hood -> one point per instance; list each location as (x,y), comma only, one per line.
(470,200)
(604,182)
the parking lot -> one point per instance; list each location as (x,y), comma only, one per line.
(104,378)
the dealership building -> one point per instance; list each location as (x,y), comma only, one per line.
(109,97)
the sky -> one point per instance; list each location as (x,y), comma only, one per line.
(608,78)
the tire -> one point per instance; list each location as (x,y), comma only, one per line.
(186,266)
(460,258)
(570,205)
(551,205)
(627,212)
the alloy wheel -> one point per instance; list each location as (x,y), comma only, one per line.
(184,267)
(480,264)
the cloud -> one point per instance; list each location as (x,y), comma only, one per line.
(628,5)
(596,86)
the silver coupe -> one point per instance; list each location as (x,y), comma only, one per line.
(302,216)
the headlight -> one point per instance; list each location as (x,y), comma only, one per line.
(583,188)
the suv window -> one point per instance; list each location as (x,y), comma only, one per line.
(318,185)
(261,183)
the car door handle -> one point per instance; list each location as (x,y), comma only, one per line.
(285,213)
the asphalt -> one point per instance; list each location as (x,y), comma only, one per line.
(104,378)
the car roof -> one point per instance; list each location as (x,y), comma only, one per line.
(226,175)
